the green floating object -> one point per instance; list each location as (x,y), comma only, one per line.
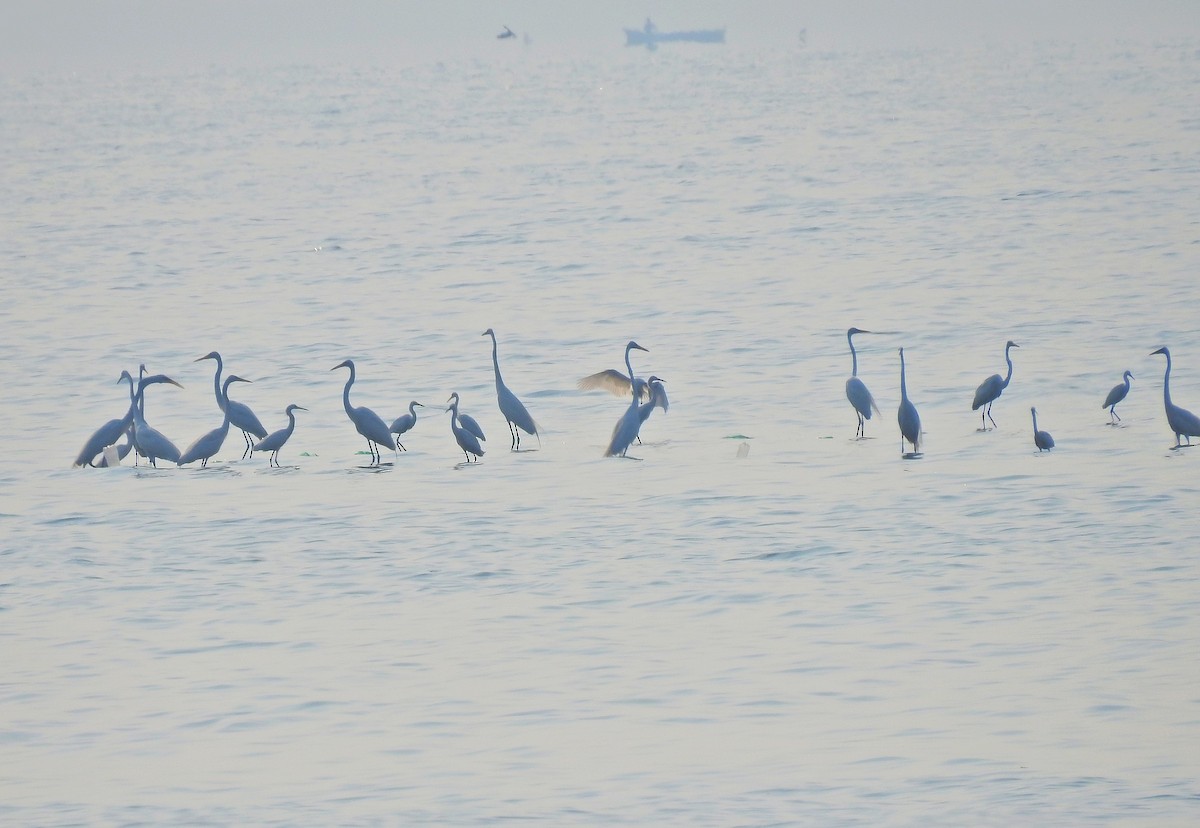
(738,437)
(306,454)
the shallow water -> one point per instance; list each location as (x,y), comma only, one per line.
(817,632)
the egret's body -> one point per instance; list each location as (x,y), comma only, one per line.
(149,441)
(1183,422)
(274,441)
(990,389)
(514,410)
(906,415)
(856,389)
(658,399)
(109,433)
(627,428)
(240,417)
(404,423)
(1041,439)
(206,447)
(1118,393)
(367,422)
(466,435)
(112,431)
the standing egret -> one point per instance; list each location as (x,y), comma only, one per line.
(208,445)
(658,399)
(468,434)
(627,428)
(274,441)
(1118,393)
(241,416)
(1183,422)
(367,422)
(1041,439)
(112,431)
(149,441)
(856,389)
(405,422)
(990,389)
(907,416)
(514,410)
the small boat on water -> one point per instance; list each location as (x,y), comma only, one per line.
(650,36)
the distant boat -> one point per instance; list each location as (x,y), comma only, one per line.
(650,36)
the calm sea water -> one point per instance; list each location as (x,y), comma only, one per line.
(818,632)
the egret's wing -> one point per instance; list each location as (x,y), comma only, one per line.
(612,381)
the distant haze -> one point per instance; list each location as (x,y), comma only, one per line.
(91,35)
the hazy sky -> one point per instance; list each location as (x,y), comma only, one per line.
(87,35)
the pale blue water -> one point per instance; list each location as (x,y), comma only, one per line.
(816,633)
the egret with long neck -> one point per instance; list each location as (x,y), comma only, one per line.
(1183,422)
(513,409)
(366,422)
(856,389)
(990,389)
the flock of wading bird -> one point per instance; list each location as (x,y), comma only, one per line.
(104,449)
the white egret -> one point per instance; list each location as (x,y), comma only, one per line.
(1041,439)
(110,432)
(1119,392)
(990,389)
(514,410)
(241,417)
(614,382)
(367,422)
(206,446)
(404,423)
(466,435)
(1183,422)
(274,441)
(627,428)
(907,416)
(856,389)
(658,399)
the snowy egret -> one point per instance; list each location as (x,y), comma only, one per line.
(1118,393)
(404,423)
(274,441)
(1041,439)
(468,434)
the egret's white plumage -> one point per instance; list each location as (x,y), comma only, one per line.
(366,422)
(990,389)
(206,446)
(626,429)
(240,417)
(1041,439)
(274,441)
(404,423)
(856,389)
(513,409)
(906,415)
(1183,422)
(468,434)
(1119,392)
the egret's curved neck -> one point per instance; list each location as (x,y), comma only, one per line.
(1167,380)
(853,356)
(1034,422)
(225,403)
(903,386)
(291,421)
(1008,359)
(217,383)
(346,390)
(495,358)
(412,409)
